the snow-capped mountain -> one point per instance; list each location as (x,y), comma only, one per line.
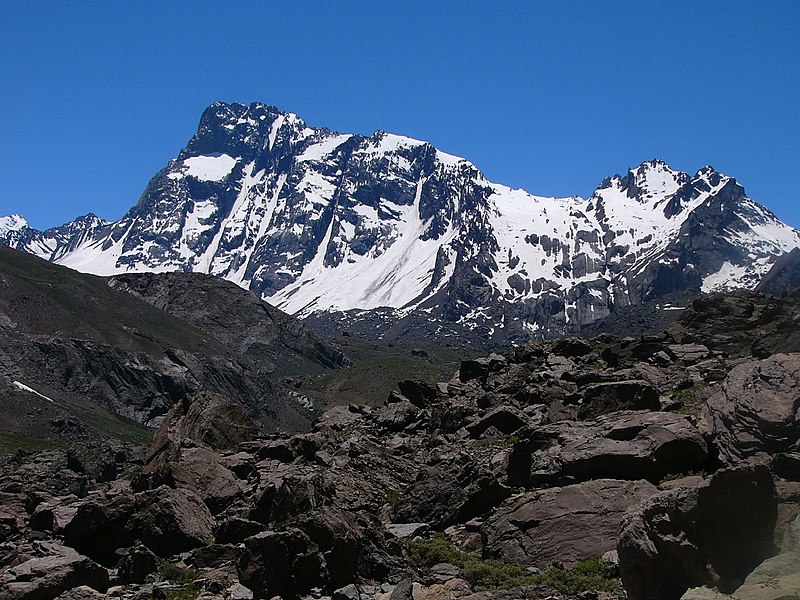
(319,222)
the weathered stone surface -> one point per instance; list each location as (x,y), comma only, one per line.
(564,524)
(283,563)
(757,410)
(47,577)
(713,533)
(505,419)
(442,496)
(166,520)
(137,564)
(624,445)
(602,398)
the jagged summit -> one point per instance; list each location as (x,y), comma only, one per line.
(320,222)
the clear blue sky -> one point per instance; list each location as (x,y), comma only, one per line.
(548,96)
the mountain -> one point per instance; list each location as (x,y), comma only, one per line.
(400,239)
(784,276)
(80,353)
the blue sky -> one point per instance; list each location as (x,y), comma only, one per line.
(548,96)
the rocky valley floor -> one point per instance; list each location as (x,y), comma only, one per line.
(659,467)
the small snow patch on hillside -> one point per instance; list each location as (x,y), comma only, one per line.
(24,388)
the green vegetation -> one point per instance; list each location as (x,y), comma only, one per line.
(377,368)
(691,398)
(11,442)
(590,574)
(179,575)
(185,593)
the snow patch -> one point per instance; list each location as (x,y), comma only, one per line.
(210,167)
(24,388)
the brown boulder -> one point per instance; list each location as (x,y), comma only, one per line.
(564,524)
(712,532)
(757,409)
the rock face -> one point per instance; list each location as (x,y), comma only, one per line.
(563,524)
(316,221)
(713,532)
(783,277)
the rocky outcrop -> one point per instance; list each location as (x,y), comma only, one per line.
(711,531)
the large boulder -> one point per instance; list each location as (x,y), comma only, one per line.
(564,524)
(445,494)
(284,563)
(711,532)
(46,577)
(601,398)
(624,445)
(166,520)
(757,409)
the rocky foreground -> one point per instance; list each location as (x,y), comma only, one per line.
(653,468)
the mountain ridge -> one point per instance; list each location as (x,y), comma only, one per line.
(322,223)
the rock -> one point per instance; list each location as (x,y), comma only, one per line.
(419,393)
(83,592)
(777,578)
(348,592)
(704,593)
(757,409)
(624,445)
(473,369)
(397,416)
(47,577)
(137,564)
(443,496)
(602,398)
(505,419)
(713,533)
(284,563)
(571,347)
(454,588)
(166,520)
(403,590)
(236,530)
(689,354)
(443,572)
(238,592)
(406,530)
(565,524)
(170,521)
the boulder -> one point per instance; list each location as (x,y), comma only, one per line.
(624,445)
(284,563)
(419,393)
(757,409)
(601,398)
(46,577)
(505,419)
(166,520)
(443,495)
(564,524)
(712,532)
(136,564)
(170,521)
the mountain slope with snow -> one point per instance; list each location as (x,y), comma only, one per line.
(319,223)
